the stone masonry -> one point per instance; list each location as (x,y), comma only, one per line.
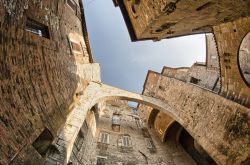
(54,109)
(227,20)
(38,77)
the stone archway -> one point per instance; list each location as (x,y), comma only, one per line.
(214,138)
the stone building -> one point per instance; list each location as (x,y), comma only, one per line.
(228,20)
(45,63)
(117,135)
(203,75)
(55,109)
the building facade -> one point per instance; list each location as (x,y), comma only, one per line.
(229,21)
(55,109)
(43,45)
(119,136)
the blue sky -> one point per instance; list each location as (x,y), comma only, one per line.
(125,64)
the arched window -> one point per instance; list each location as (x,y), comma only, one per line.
(244,58)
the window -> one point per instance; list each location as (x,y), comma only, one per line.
(116,120)
(104,138)
(138,122)
(126,141)
(37,28)
(101,160)
(72,4)
(42,143)
(194,80)
(75,47)
(124,144)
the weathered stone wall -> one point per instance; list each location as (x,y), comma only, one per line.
(198,111)
(212,57)
(207,78)
(84,147)
(228,20)
(205,75)
(199,74)
(138,153)
(229,37)
(163,19)
(144,112)
(178,73)
(161,124)
(38,78)
(231,120)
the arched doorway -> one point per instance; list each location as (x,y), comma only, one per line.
(178,136)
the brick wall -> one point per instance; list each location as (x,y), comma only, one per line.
(37,88)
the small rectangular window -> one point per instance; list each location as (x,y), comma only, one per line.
(116,119)
(101,160)
(42,143)
(194,80)
(75,47)
(116,122)
(126,141)
(37,28)
(72,4)
(138,123)
(104,138)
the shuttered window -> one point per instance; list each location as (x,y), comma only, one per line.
(125,141)
(72,4)
(104,137)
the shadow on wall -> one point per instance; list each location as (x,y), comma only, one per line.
(178,134)
(177,139)
(37,77)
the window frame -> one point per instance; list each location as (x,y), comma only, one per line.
(72,50)
(102,139)
(75,5)
(126,141)
(101,157)
(37,28)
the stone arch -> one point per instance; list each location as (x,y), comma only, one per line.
(191,146)
(173,131)
(244,59)
(205,105)
(152,117)
(166,132)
